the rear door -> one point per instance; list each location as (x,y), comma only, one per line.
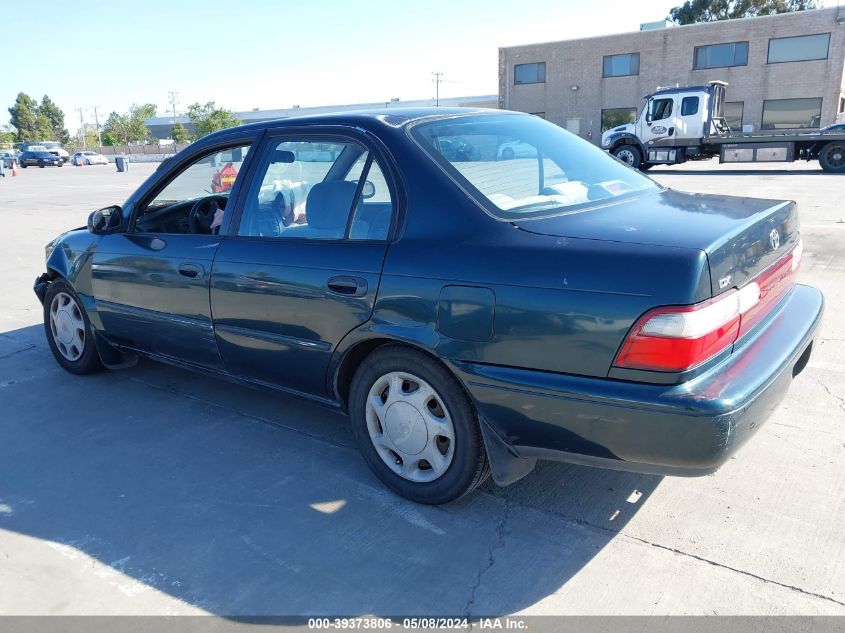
(302,263)
(689,121)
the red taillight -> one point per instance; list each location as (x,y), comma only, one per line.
(678,338)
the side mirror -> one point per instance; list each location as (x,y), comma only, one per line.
(105,220)
(648,118)
(368,190)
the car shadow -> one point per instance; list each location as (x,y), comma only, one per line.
(240,502)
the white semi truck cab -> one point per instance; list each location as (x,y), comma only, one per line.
(688,123)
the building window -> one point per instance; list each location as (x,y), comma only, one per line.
(721,55)
(617,116)
(621,65)
(798,49)
(842,104)
(733,114)
(689,106)
(529,73)
(781,114)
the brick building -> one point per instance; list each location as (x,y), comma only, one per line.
(784,71)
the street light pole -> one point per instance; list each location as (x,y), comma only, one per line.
(173,97)
(97,123)
(437,79)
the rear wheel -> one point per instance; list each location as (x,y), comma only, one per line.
(832,157)
(507,154)
(41,164)
(629,154)
(69,331)
(87,161)
(415,427)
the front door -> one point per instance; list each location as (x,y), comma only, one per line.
(659,124)
(302,264)
(151,284)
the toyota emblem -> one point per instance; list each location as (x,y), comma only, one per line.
(774,239)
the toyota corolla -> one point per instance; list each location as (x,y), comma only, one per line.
(471,314)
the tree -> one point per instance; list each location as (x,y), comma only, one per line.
(209,118)
(179,133)
(7,135)
(29,121)
(693,11)
(122,129)
(55,118)
(116,130)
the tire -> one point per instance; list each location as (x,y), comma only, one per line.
(394,441)
(507,154)
(88,162)
(67,328)
(23,165)
(41,164)
(832,157)
(628,154)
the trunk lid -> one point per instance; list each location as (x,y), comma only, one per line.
(741,236)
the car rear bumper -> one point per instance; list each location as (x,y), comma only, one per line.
(686,429)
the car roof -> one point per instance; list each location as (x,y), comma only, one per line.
(381,117)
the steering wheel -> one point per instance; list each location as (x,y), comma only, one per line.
(201,215)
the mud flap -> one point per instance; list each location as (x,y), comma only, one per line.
(111,357)
(506,465)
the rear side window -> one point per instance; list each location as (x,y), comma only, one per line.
(318,189)
(520,166)
(689,106)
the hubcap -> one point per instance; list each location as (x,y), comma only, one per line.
(67,326)
(836,156)
(626,155)
(410,427)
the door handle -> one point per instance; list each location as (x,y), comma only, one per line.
(192,271)
(348,286)
(671,131)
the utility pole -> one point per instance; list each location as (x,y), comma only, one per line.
(438,77)
(173,97)
(97,123)
(81,125)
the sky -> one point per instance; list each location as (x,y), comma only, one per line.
(263,54)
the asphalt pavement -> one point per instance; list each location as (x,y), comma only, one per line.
(157,491)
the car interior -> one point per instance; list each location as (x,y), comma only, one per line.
(304,193)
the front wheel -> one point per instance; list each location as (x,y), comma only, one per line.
(41,164)
(832,157)
(69,331)
(415,427)
(629,155)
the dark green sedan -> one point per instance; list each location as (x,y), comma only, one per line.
(473,311)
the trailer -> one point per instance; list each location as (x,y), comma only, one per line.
(688,123)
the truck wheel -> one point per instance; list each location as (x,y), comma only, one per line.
(629,154)
(415,427)
(832,157)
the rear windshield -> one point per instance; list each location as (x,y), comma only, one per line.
(521,166)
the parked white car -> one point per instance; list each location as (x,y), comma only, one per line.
(516,149)
(89,158)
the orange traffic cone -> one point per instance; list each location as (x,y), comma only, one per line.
(14,168)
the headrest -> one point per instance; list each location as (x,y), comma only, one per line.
(329,204)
